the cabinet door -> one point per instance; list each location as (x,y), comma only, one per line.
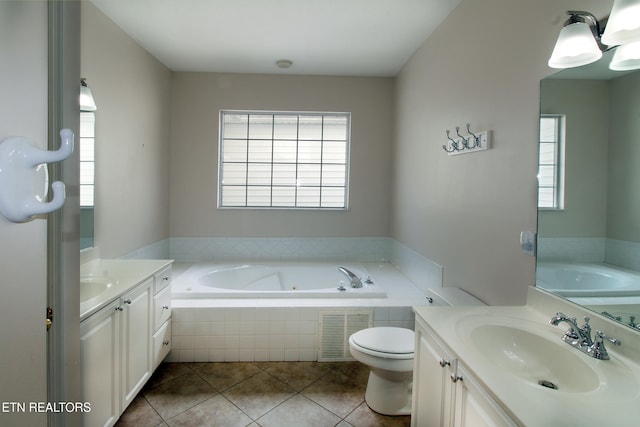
(136,340)
(473,408)
(100,356)
(433,391)
(161,343)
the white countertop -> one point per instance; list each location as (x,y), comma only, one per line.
(121,275)
(614,400)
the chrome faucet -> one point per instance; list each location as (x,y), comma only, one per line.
(580,336)
(355,280)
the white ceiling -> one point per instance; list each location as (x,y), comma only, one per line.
(321,37)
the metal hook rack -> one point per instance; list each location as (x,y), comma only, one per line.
(466,143)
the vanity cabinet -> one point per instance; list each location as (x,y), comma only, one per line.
(122,344)
(445,393)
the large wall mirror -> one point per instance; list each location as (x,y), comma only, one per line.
(589,199)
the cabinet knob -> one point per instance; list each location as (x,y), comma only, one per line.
(165,342)
(455,378)
(127,301)
(165,278)
(444,363)
(119,308)
(165,307)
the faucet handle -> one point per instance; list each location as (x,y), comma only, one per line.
(586,330)
(597,349)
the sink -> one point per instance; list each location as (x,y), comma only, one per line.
(534,356)
(91,287)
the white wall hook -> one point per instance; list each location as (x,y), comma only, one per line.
(24,179)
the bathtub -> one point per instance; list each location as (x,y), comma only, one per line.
(274,280)
(587,280)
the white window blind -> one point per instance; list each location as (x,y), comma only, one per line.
(551,162)
(283,160)
(87,159)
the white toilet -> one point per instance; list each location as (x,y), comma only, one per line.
(388,351)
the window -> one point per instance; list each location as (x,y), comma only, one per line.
(283,160)
(87,159)
(551,162)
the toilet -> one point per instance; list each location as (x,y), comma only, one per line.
(388,351)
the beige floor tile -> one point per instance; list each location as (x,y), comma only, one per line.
(299,411)
(216,411)
(179,394)
(259,394)
(224,375)
(337,392)
(298,375)
(140,414)
(166,372)
(363,416)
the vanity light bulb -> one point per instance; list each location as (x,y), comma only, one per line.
(576,46)
(623,25)
(626,57)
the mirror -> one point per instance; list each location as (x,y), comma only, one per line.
(589,248)
(87,173)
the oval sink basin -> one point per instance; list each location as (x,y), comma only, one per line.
(534,358)
(91,287)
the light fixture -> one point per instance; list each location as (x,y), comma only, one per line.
(87,102)
(626,57)
(624,23)
(577,43)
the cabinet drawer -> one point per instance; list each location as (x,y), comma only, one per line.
(161,280)
(162,307)
(161,343)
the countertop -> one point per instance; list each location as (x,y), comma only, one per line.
(613,398)
(118,275)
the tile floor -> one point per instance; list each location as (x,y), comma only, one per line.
(300,394)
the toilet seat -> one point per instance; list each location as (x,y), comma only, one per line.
(386,342)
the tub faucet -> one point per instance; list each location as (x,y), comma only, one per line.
(355,280)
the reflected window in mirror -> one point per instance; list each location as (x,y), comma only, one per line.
(87,169)
(551,162)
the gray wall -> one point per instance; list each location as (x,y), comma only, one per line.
(482,66)
(132,91)
(587,138)
(623,221)
(197,98)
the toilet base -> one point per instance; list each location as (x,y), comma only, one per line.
(389,393)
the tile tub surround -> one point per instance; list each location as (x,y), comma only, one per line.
(232,330)
(265,394)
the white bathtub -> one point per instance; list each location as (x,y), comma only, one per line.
(587,280)
(274,280)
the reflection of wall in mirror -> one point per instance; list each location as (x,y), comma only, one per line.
(600,220)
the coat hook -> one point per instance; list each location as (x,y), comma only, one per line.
(476,139)
(465,141)
(454,145)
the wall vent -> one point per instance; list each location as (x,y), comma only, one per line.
(335,329)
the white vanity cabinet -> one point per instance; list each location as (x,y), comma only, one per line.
(100,349)
(136,345)
(161,340)
(122,343)
(444,392)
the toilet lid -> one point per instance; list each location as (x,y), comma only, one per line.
(385,340)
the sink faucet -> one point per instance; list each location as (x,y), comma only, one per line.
(575,334)
(355,280)
(580,336)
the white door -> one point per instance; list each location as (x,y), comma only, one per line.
(25,346)
(23,247)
